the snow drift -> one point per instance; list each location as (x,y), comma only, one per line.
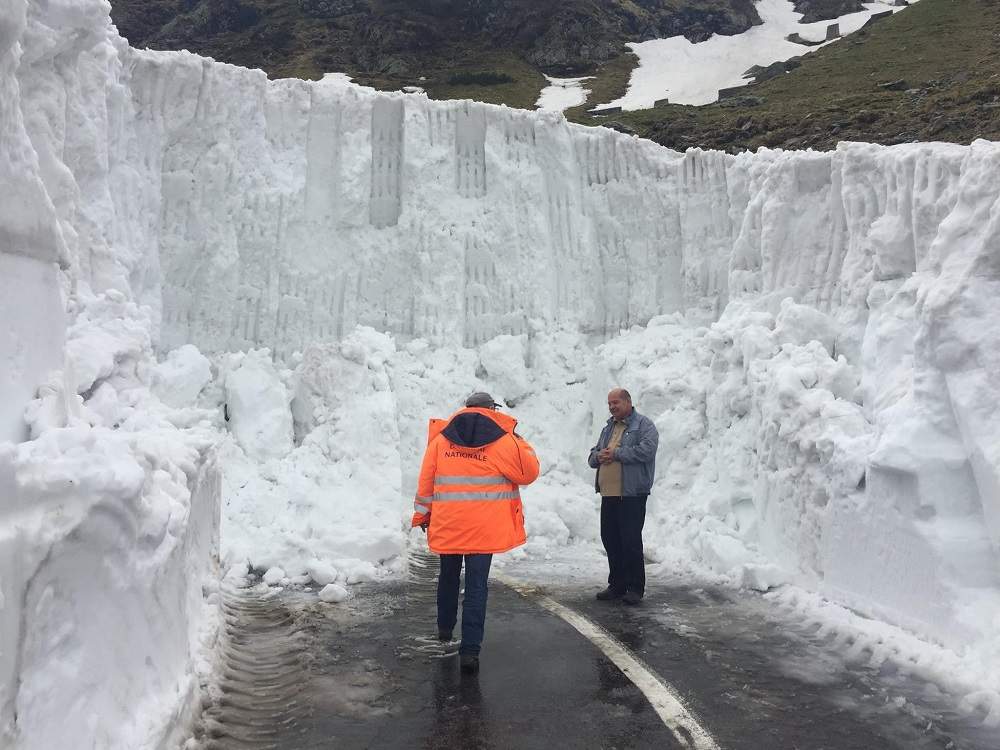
(815,335)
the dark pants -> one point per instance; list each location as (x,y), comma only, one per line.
(477,571)
(622,519)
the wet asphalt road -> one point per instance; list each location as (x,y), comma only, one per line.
(369,674)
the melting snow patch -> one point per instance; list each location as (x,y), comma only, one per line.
(563,93)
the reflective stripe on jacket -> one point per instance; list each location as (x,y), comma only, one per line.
(469,483)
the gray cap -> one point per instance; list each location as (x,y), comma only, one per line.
(482,400)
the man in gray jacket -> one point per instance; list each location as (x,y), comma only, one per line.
(625,458)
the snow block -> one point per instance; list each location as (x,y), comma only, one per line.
(258,405)
(333,594)
(181,376)
(102,580)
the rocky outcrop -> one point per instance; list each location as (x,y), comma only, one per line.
(212,17)
(825,10)
(698,23)
(331,8)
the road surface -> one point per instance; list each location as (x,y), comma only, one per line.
(369,673)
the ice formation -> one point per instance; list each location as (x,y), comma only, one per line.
(814,333)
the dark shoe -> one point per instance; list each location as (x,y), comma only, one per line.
(609,594)
(469,663)
(631,598)
(444,636)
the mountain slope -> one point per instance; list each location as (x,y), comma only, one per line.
(939,59)
(432,43)
(931,72)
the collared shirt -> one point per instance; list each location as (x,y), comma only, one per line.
(609,475)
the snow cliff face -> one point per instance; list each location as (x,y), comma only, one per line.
(815,335)
(292,212)
(109,515)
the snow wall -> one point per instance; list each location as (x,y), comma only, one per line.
(815,334)
(109,514)
(839,414)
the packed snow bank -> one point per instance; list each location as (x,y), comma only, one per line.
(108,542)
(109,514)
(331,508)
(104,559)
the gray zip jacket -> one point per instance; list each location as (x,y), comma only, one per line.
(637,453)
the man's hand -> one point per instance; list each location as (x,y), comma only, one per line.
(605,456)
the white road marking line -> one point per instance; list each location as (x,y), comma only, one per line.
(663,698)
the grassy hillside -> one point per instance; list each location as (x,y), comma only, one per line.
(931,72)
(490,50)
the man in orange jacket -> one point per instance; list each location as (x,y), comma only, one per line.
(469,504)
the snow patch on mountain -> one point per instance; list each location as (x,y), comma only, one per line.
(563,93)
(688,72)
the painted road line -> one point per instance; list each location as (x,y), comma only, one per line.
(662,697)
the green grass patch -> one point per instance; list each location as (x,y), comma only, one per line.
(610,82)
(518,83)
(479,78)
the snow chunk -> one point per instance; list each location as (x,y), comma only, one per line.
(258,405)
(181,376)
(322,574)
(273,576)
(109,341)
(762,577)
(333,594)
(800,324)
(503,363)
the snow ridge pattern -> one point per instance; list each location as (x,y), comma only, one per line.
(815,335)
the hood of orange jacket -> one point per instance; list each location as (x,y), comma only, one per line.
(472,429)
(470,479)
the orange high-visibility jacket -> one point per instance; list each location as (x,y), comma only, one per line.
(468,488)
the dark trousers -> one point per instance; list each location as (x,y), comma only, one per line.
(622,519)
(477,571)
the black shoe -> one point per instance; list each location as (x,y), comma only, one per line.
(444,636)
(609,594)
(469,663)
(631,598)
